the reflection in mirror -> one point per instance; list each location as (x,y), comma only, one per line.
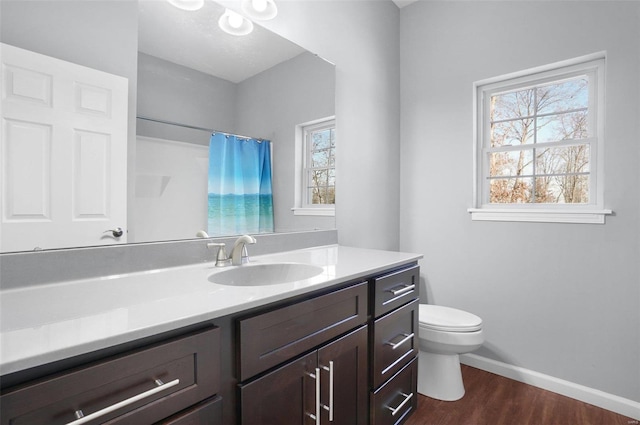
(259,85)
(216,82)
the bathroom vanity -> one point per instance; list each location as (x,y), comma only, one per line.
(175,348)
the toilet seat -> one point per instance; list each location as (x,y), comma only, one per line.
(447,319)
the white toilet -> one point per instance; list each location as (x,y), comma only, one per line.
(445,333)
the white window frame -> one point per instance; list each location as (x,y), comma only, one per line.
(592,212)
(302,158)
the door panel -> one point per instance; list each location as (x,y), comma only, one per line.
(64,153)
(348,357)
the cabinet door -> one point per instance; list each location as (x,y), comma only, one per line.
(284,396)
(343,372)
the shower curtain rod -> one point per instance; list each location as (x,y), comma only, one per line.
(193,127)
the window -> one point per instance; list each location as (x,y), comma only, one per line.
(539,145)
(317,186)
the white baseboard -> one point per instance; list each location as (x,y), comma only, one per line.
(592,396)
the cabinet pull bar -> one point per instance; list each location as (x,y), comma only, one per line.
(404,290)
(406,338)
(330,408)
(407,397)
(162,386)
(317,396)
(316,376)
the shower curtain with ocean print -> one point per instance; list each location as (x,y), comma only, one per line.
(240,196)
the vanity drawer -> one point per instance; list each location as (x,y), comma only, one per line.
(395,342)
(394,401)
(271,338)
(395,289)
(141,386)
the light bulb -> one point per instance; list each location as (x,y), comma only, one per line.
(235,24)
(235,20)
(260,9)
(259,5)
(189,5)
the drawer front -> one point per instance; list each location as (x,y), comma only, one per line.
(395,289)
(269,339)
(396,400)
(143,386)
(395,341)
(208,412)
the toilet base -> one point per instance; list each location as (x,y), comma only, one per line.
(439,376)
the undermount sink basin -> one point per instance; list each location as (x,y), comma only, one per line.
(265,274)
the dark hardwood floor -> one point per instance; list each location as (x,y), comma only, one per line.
(494,400)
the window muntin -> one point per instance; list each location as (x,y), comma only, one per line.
(319,168)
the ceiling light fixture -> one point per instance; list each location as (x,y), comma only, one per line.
(260,9)
(235,24)
(190,5)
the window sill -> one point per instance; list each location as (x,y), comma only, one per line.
(540,216)
(329,212)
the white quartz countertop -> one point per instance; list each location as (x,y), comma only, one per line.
(46,323)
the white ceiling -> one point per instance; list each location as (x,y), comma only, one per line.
(194,40)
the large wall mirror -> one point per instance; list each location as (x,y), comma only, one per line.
(191,79)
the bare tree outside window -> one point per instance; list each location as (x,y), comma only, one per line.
(538,152)
(320,165)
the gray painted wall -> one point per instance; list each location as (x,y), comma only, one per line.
(560,299)
(361,38)
(167,91)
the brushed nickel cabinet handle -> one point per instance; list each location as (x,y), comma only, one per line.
(407,397)
(161,386)
(404,290)
(407,337)
(316,376)
(330,408)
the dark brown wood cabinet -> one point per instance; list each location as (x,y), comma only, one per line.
(142,386)
(394,346)
(395,342)
(327,335)
(327,385)
(394,401)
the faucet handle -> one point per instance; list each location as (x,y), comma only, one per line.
(221,259)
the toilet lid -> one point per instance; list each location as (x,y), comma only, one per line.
(448,319)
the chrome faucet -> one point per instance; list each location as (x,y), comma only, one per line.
(239,254)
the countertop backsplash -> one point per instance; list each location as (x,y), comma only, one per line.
(51,266)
